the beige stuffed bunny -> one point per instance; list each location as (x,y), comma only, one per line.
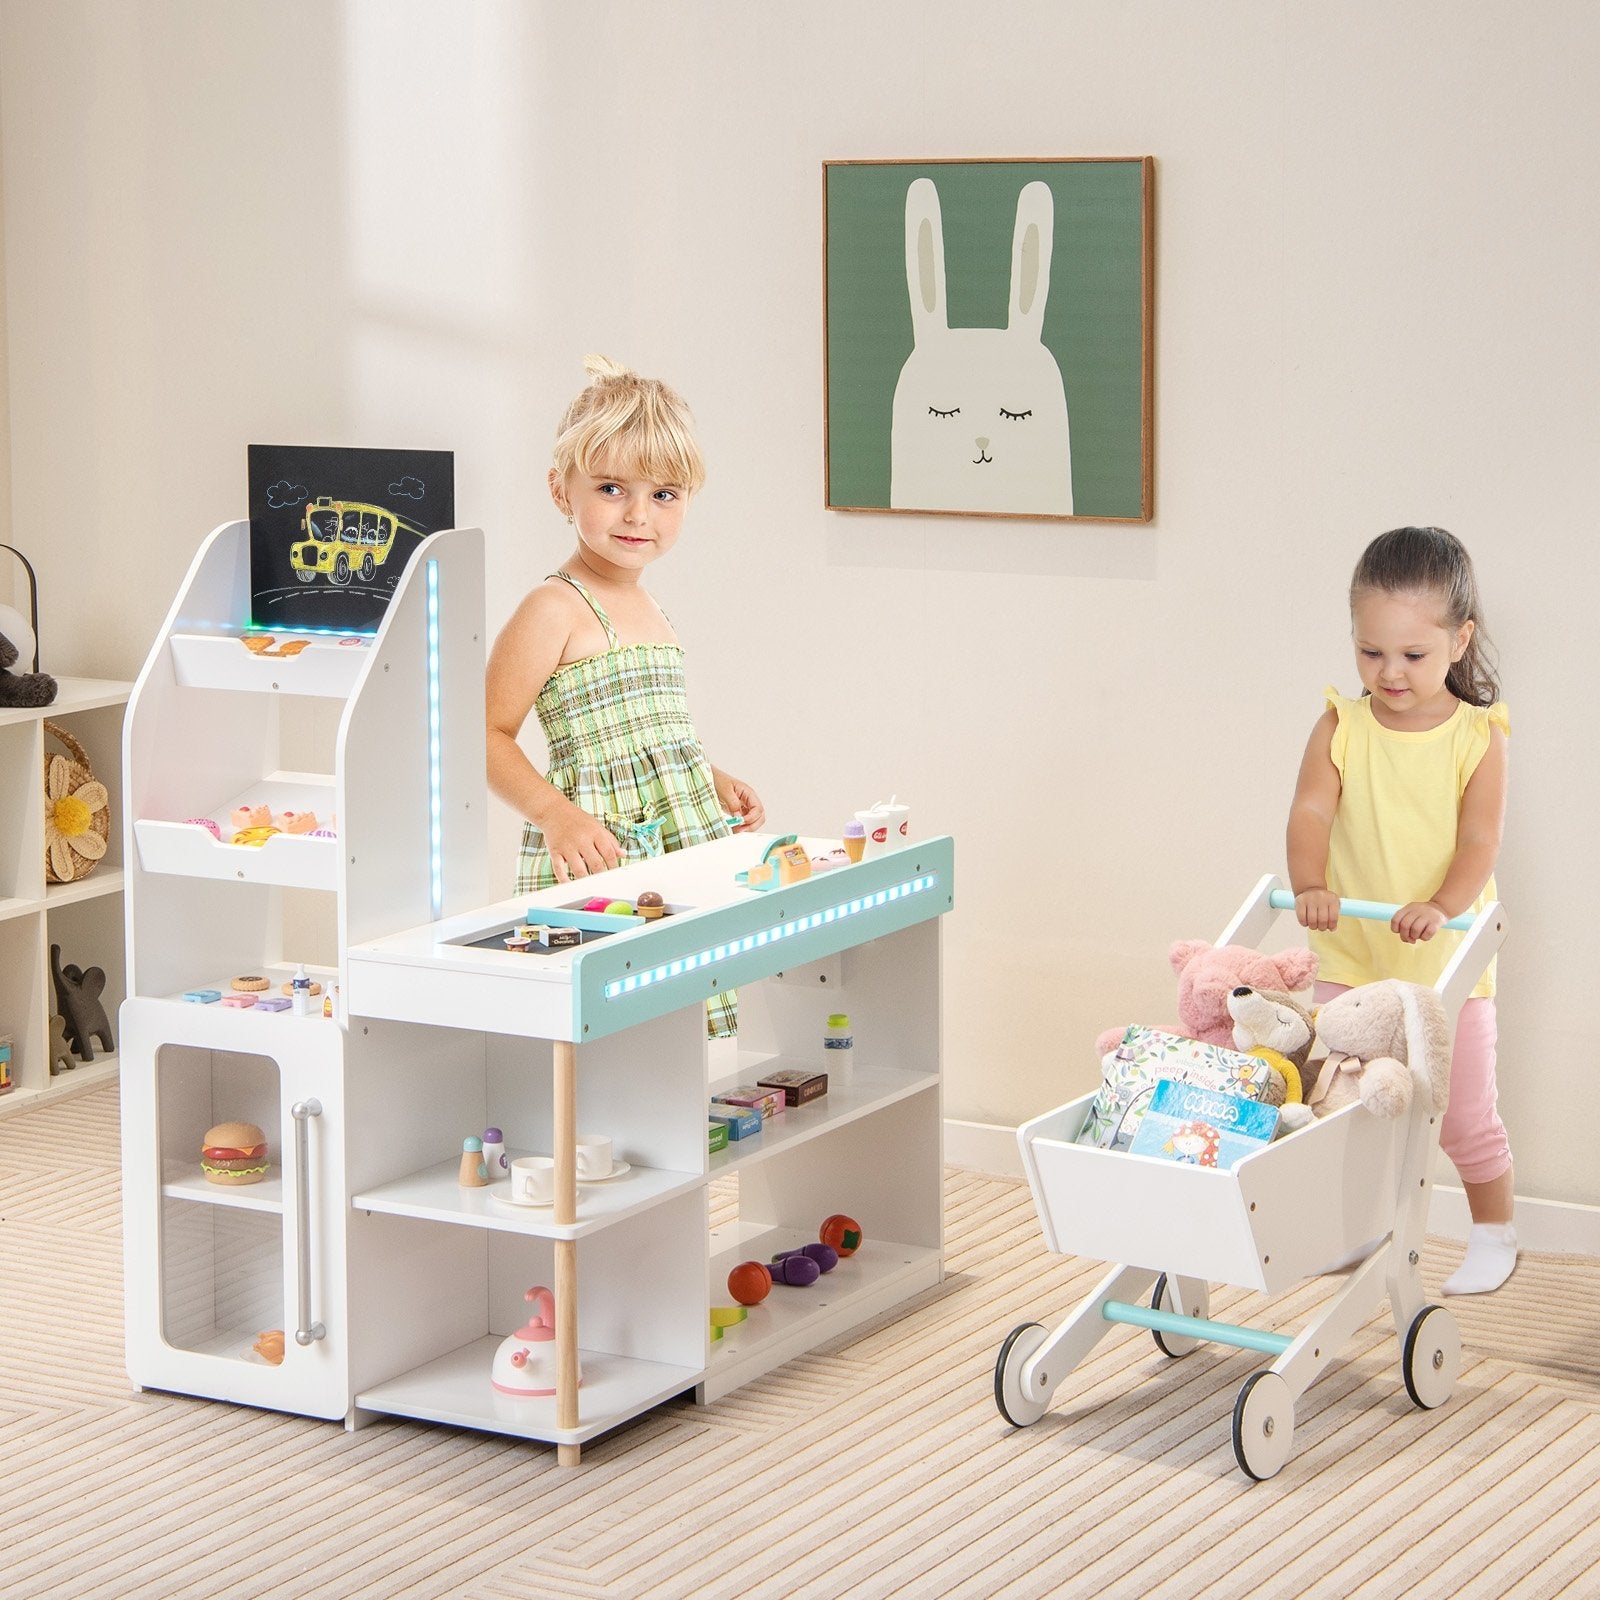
(1386,1043)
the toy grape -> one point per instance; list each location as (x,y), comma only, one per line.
(750,1283)
(842,1232)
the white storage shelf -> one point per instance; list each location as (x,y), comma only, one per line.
(433,1195)
(455,1389)
(183,1182)
(85,917)
(326,666)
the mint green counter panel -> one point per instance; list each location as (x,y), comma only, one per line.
(686,959)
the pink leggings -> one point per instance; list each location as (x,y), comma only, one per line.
(1472,1135)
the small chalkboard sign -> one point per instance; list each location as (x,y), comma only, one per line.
(331,531)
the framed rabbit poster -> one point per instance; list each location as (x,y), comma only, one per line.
(988,337)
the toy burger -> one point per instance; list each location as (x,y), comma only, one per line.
(235,1153)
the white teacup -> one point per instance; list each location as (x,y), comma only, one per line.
(593,1151)
(533,1180)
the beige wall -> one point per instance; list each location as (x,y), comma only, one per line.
(383,223)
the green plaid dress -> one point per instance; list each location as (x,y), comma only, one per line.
(623,748)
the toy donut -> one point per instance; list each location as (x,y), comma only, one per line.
(253,836)
(250,984)
(316,988)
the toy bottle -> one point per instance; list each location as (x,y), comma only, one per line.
(838,1046)
(494,1154)
(473,1174)
(300,992)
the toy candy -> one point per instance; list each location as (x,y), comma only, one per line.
(799,1271)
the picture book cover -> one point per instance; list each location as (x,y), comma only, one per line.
(1205,1127)
(332,529)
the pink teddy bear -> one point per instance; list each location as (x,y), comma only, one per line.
(1208,974)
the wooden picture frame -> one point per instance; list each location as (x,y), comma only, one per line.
(988,330)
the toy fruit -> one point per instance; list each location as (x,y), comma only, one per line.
(842,1232)
(618,908)
(750,1283)
(825,1256)
(798,1271)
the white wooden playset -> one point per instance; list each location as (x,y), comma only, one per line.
(1280,1215)
(393,1285)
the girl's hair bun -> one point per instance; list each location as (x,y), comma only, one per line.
(600,368)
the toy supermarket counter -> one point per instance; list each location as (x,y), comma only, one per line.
(600,954)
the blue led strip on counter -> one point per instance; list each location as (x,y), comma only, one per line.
(435,763)
(690,957)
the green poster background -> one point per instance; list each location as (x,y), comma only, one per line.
(1092,318)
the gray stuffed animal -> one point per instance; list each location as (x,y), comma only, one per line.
(22,688)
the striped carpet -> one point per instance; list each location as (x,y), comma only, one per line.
(875,1468)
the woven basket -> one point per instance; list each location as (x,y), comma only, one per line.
(77,811)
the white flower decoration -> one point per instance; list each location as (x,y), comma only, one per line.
(69,819)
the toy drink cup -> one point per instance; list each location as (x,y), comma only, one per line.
(888,826)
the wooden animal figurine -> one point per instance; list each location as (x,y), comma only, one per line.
(78,996)
(60,1056)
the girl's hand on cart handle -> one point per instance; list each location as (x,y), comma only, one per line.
(1317,909)
(1420,919)
(1372,910)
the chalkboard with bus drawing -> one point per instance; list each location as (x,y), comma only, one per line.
(331,530)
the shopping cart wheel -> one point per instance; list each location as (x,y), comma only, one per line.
(1432,1358)
(1263,1425)
(1016,1406)
(1177,1344)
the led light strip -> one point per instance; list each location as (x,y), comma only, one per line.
(435,764)
(773,935)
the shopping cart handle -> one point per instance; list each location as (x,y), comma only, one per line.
(1283,900)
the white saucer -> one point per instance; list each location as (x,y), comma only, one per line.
(618,1168)
(518,1205)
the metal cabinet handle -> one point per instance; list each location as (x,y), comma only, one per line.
(302,1111)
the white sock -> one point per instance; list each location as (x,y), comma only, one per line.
(1491,1254)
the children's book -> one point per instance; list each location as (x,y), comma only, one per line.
(1205,1127)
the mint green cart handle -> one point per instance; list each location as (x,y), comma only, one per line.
(1282,900)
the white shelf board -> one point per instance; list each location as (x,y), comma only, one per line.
(72,694)
(433,1195)
(181,1181)
(79,1080)
(296,861)
(103,881)
(327,666)
(19,906)
(790,1321)
(455,1390)
(868,1089)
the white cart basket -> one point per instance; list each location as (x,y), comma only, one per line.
(1179,1227)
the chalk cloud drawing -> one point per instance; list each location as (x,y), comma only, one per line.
(980,414)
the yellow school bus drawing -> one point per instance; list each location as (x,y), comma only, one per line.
(344,539)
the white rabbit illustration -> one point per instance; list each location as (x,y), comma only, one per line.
(980,414)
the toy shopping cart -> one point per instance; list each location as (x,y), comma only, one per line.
(1182,1227)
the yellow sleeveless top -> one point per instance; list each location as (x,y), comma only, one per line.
(1394,835)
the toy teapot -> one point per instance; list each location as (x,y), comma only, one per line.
(525,1363)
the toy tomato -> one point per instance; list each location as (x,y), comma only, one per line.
(842,1232)
(750,1283)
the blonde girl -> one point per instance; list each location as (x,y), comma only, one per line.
(595,658)
(1401,799)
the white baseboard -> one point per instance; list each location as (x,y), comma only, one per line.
(1548,1227)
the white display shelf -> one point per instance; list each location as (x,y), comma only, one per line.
(277,975)
(327,666)
(289,860)
(456,1390)
(72,694)
(433,1195)
(869,1089)
(77,1080)
(180,1181)
(791,1321)
(103,881)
